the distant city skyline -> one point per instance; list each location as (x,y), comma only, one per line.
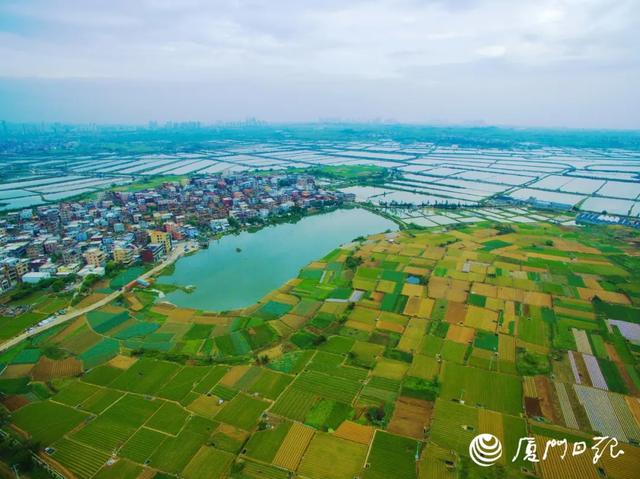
(547,63)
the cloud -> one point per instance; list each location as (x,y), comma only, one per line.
(387,43)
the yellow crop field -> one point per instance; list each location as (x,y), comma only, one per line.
(293,320)
(386,286)
(460,334)
(413,334)
(484,289)
(424,367)
(355,432)
(537,299)
(554,467)
(433,253)
(481,318)
(574,312)
(495,304)
(416,271)
(491,422)
(234,374)
(426,307)
(624,466)
(293,447)
(206,406)
(609,296)
(413,290)
(507,347)
(412,306)
(389,326)
(511,294)
(122,362)
(391,369)
(360,325)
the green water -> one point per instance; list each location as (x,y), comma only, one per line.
(226,279)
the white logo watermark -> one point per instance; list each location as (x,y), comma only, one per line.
(485,449)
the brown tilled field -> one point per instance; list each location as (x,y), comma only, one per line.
(47,369)
(411,417)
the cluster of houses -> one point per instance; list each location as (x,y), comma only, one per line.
(81,237)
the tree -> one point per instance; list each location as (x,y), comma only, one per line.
(375,414)
(352,262)
(233,222)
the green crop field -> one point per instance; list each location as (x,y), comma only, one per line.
(264,444)
(392,456)
(294,404)
(169,418)
(458,331)
(147,376)
(142,444)
(47,421)
(242,411)
(500,392)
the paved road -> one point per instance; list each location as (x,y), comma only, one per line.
(176,253)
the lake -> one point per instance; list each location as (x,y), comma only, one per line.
(226,279)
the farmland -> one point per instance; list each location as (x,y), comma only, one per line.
(519,331)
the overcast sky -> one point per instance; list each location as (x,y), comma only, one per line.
(573,63)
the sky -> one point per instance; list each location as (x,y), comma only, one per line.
(551,63)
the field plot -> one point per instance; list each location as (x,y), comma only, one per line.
(47,421)
(146,376)
(411,417)
(208,462)
(511,329)
(265,444)
(141,446)
(500,392)
(392,456)
(293,447)
(332,458)
(79,459)
(242,411)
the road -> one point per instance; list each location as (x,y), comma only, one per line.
(176,253)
